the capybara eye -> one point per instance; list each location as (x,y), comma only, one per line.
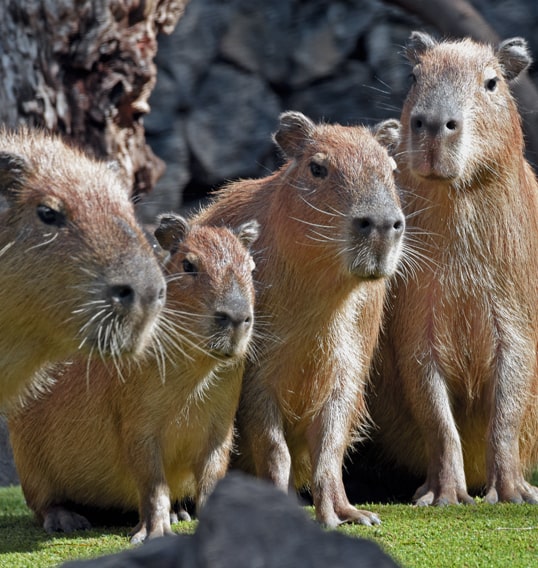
(189,267)
(412,77)
(491,84)
(318,170)
(50,216)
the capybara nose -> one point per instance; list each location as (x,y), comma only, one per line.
(125,296)
(437,124)
(232,318)
(386,226)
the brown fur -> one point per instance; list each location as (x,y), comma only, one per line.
(76,271)
(458,380)
(136,438)
(331,228)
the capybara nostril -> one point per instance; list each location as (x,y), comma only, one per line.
(417,123)
(123,295)
(363,225)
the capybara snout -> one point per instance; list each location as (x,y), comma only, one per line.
(376,233)
(233,322)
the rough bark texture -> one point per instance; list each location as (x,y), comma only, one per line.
(85,68)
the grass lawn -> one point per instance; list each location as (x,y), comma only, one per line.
(460,536)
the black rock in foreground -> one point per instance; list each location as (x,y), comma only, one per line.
(247,523)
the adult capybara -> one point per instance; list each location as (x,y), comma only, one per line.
(331,233)
(76,272)
(456,395)
(142,435)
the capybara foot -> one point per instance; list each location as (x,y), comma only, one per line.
(59,519)
(179,514)
(350,514)
(521,492)
(427,495)
(140,533)
(360,517)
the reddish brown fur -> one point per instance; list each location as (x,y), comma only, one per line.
(459,381)
(321,269)
(76,271)
(136,439)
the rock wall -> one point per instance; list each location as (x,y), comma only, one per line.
(231,67)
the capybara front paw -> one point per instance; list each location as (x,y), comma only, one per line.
(140,533)
(363,517)
(59,519)
(521,492)
(441,496)
(353,515)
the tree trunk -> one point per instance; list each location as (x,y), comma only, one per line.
(85,68)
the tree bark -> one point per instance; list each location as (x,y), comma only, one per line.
(457,18)
(85,68)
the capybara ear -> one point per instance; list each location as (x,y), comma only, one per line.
(418,43)
(172,229)
(248,232)
(387,133)
(14,171)
(294,130)
(514,57)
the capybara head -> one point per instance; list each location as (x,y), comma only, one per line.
(341,194)
(76,271)
(459,113)
(210,287)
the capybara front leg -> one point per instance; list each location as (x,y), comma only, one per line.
(327,438)
(155,509)
(445,482)
(505,480)
(261,436)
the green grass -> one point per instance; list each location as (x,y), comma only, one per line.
(460,536)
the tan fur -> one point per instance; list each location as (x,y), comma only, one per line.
(320,291)
(139,438)
(458,380)
(71,252)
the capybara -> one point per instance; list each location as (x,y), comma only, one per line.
(161,429)
(331,234)
(76,272)
(456,392)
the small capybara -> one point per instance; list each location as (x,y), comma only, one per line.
(456,392)
(161,429)
(76,272)
(330,234)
